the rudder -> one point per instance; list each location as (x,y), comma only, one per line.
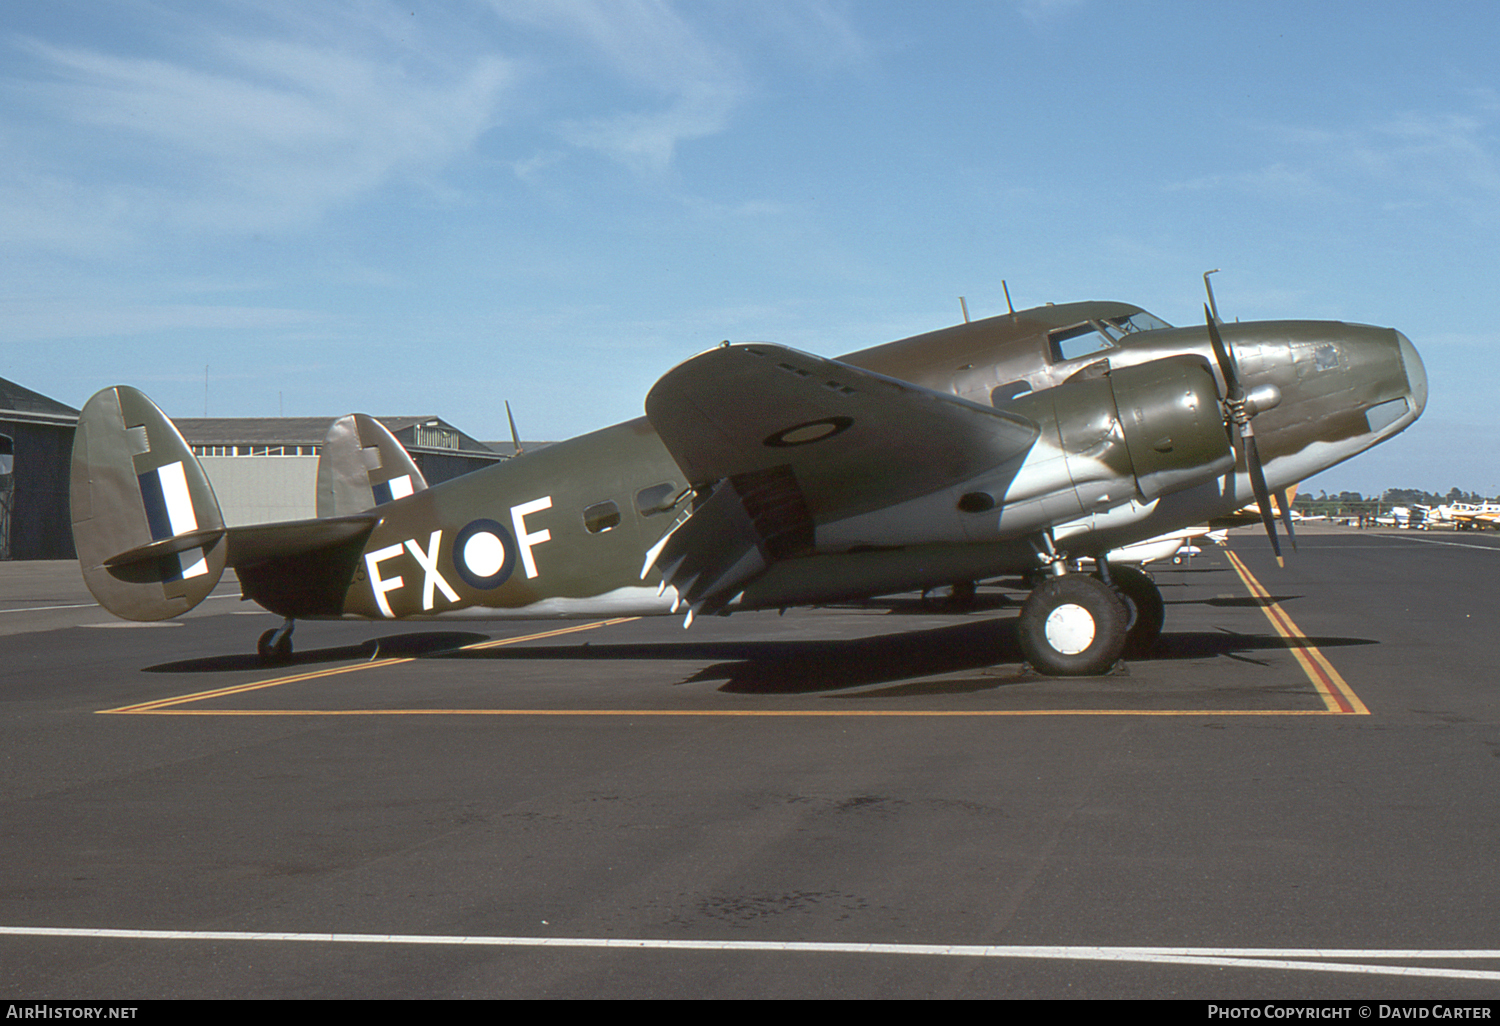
(146,523)
(362,465)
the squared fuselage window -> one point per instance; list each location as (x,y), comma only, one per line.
(656,499)
(601,517)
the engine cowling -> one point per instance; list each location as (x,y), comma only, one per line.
(1173,424)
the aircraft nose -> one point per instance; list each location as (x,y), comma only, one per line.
(1416,374)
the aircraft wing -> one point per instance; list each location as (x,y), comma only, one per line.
(855,440)
(787,441)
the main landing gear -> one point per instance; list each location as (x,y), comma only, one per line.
(1077,625)
(275,645)
(1143,606)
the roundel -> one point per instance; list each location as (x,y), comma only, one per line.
(484,554)
(812,431)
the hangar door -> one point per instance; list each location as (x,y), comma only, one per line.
(7,491)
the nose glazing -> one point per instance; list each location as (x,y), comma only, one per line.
(1416,374)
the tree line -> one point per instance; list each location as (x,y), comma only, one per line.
(1354,502)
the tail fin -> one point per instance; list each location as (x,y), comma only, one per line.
(362,466)
(146,523)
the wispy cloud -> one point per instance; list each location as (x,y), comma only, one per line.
(231,132)
(51,320)
(1409,159)
(1275,181)
(682,84)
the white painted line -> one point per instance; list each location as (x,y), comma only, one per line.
(1297,959)
(95,605)
(1433,541)
(43,609)
(129,624)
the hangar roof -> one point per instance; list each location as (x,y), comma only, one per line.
(19,403)
(426,433)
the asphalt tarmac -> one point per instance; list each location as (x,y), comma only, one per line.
(1296,798)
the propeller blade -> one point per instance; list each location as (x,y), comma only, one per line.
(1231,385)
(1286,518)
(1226,362)
(1262,493)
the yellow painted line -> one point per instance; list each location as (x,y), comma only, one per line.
(1337,695)
(740,712)
(333,671)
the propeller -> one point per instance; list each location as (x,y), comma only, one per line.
(1242,409)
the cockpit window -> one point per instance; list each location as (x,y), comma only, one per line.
(1092,336)
(1141,321)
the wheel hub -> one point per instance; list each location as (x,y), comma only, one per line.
(1070,628)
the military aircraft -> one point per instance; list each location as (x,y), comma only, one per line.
(763,477)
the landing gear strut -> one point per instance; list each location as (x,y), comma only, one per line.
(275,645)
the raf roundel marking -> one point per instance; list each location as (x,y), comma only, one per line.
(812,431)
(484,554)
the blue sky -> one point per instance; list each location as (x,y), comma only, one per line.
(432,207)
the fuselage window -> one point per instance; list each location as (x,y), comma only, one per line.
(656,499)
(601,517)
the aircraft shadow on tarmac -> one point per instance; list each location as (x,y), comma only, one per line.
(394,646)
(953,659)
(1234,602)
(969,657)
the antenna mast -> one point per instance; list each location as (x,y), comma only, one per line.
(515,438)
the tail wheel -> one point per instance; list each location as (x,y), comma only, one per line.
(1072,626)
(1145,612)
(275,646)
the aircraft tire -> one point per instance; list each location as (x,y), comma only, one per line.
(1072,626)
(272,652)
(1145,612)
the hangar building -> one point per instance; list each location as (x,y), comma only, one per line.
(36,440)
(265,469)
(262,469)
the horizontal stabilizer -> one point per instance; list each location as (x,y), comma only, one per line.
(302,568)
(146,524)
(361,465)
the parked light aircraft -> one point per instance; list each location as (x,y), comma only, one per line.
(1172,545)
(1462,515)
(762,477)
(1251,513)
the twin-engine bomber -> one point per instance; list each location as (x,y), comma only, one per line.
(762,477)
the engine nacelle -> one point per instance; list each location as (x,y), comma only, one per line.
(1174,427)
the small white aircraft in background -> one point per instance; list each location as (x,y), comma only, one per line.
(1399,516)
(1175,546)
